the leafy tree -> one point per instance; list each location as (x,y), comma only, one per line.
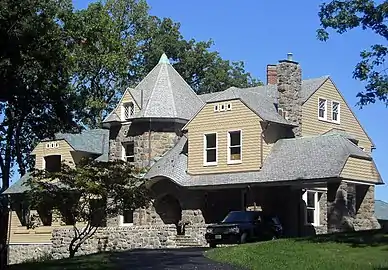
(87,194)
(35,98)
(348,14)
(119,43)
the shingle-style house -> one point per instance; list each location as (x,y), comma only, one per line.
(292,147)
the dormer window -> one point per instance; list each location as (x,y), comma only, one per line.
(283,113)
(128,110)
(322,109)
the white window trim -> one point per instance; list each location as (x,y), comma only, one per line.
(325,116)
(204,150)
(121,221)
(228,145)
(123,156)
(338,121)
(316,211)
(130,103)
(216,108)
(229,106)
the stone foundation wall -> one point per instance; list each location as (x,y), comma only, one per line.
(350,207)
(19,253)
(124,238)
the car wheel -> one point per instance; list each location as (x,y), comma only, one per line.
(243,238)
(212,245)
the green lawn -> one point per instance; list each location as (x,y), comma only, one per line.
(365,250)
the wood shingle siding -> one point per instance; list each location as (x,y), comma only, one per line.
(312,126)
(208,121)
(360,169)
(41,151)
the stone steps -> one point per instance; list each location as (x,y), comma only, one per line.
(186,241)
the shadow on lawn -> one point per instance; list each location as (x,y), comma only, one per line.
(188,258)
(355,239)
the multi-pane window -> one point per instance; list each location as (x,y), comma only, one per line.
(322,108)
(210,155)
(129,151)
(234,146)
(335,109)
(311,198)
(282,113)
(129,110)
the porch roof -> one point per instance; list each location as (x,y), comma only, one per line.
(308,158)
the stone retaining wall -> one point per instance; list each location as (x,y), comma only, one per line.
(124,238)
(19,253)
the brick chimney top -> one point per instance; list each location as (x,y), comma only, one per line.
(272,75)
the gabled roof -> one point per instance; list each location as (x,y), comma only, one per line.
(165,94)
(257,101)
(95,141)
(306,158)
(19,186)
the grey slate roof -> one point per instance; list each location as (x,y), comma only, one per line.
(95,141)
(257,101)
(343,133)
(112,117)
(381,210)
(166,94)
(19,186)
(303,158)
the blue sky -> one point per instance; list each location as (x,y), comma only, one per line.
(263,32)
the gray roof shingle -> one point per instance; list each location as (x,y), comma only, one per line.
(19,186)
(95,141)
(305,158)
(256,100)
(381,210)
(166,94)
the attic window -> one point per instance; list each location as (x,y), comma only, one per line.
(322,109)
(129,110)
(229,106)
(335,110)
(222,107)
(216,108)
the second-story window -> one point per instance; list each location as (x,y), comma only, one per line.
(322,109)
(128,110)
(234,146)
(129,151)
(210,153)
(52,163)
(335,110)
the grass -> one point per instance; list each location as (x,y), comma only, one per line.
(361,250)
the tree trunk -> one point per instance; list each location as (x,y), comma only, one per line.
(72,252)
(3,234)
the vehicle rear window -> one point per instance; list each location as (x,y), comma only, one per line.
(236,217)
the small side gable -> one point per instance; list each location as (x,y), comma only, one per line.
(361,169)
(348,121)
(127,97)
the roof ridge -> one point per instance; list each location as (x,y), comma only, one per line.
(153,89)
(171,92)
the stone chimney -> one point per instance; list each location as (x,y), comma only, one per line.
(289,82)
(272,75)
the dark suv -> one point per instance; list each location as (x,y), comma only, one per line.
(244,226)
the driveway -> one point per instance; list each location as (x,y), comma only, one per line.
(187,258)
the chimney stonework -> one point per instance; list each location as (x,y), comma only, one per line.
(272,77)
(289,83)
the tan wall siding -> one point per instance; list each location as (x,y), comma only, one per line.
(20,234)
(208,121)
(360,169)
(126,98)
(41,151)
(312,126)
